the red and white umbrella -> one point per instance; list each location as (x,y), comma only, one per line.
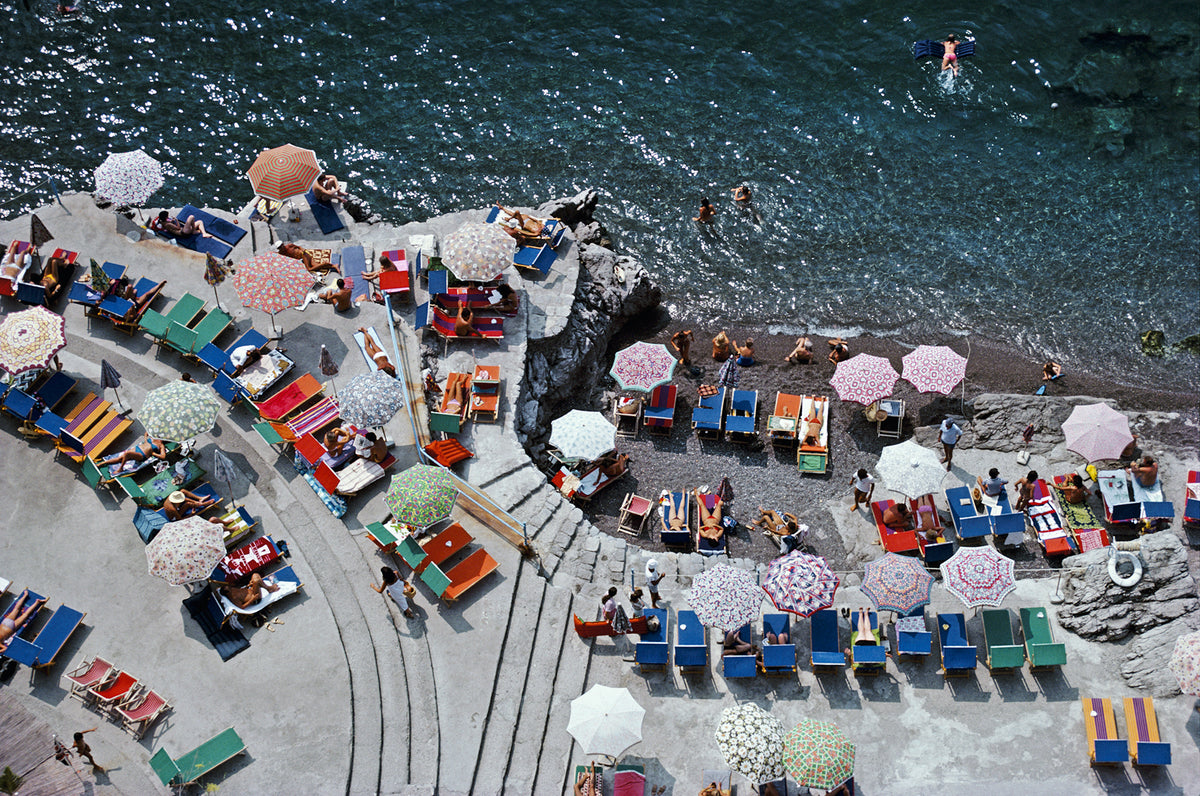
(1097,431)
(979,576)
(934,368)
(643,366)
(283,171)
(800,583)
(271,282)
(864,379)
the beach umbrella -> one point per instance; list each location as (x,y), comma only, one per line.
(818,754)
(271,282)
(283,171)
(477,251)
(725,597)
(179,410)
(225,469)
(643,366)
(328,367)
(214,274)
(371,399)
(1097,431)
(979,576)
(110,380)
(897,583)
(1185,663)
(128,178)
(186,550)
(98,279)
(606,721)
(38,234)
(29,339)
(583,435)
(934,368)
(751,741)
(728,376)
(864,379)
(800,583)
(421,495)
(910,469)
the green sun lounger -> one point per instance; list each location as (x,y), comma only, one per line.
(1040,648)
(204,759)
(185,309)
(1002,650)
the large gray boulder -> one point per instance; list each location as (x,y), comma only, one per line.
(577,209)
(1144,666)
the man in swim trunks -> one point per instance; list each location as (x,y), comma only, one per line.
(244,356)
(377,354)
(949,57)
(1146,471)
(251,593)
(462,323)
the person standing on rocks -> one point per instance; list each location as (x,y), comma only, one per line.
(864,487)
(653,578)
(682,342)
(950,434)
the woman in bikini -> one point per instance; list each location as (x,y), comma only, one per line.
(456,398)
(16,618)
(812,425)
(147,447)
(949,57)
(246,596)
(13,263)
(677,516)
(710,522)
(377,354)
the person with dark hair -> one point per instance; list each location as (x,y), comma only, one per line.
(175,228)
(994,485)
(608,604)
(949,56)
(1024,487)
(399,590)
(707,211)
(1073,491)
(246,596)
(949,433)
(52,275)
(1146,471)
(244,356)
(839,350)
(898,517)
(742,194)
(83,750)
(802,353)
(1051,371)
(462,324)
(682,342)
(369,446)
(148,447)
(637,603)
(385,264)
(377,354)
(733,645)
(327,189)
(509,301)
(745,352)
(864,487)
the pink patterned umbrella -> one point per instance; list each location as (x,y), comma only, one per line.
(271,282)
(643,366)
(800,583)
(934,368)
(1097,431)
(864,379)
(979,576)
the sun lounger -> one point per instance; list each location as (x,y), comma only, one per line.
(485,393)
(813,459)
(1146,748)
(148,523)
(41,651)
(826,651)
(254,556)
(54,389)
(243,524)
(326,215)
(893,540)
(94,673)
(1082,522)
(139,713)
(968,523)
(912,635)
(933,551)
(1100,724)
(185,309)
(312,420)
(104,698)
(628,422)
(354,265)
(1047,522)
(633,514)
(210,327)
(659,414)
(777,659)
(592,481)
(147,291)
(1007,526)
(629,779)
(448,419)
(740,666)
(288,400)
(743,415)
(1002,650)
(396,284)
(1040,649)
(535,258)
(81,417)
(651,651)
(681,539)
(599,778)
(708,418)
(33,292)
(1117,496)
(705,546)
(958,655)
(783,422)
(467,573)
(1191,497)
(447,452)
(490,327)
(9,287)
(691,643)
(288,582)
(868,658)
(204,759)
(98,439)
(221,229)
(20,404)
(1154,506)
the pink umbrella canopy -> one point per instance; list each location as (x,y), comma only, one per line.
(934,368)
(800,583)
(864,379)
(1185,663)
(643,366)
(271,282)
(979,576)
(1097,431)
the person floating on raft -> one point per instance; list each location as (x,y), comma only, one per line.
(949,50)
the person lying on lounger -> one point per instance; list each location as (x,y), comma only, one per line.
(52,277)
(710,522)
(16,617)
(13,263)
(462,324)
(377,354)
(175,228)
(614,466)
(526,226)
(147,448)
(337,438)
(328,190)
(244,356)
(898,517)
(775,524)
(456,399)
(182,503)
(677,515)
(370,447)
(246,596)
(509,301)
(812,425)
(865,638)
(587,784)
(733,645)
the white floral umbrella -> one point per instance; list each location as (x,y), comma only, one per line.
(186,550)
(751,741)
(1185,663)
(606,721)
(478,252)
(910,469)
(583,435)
(128,178)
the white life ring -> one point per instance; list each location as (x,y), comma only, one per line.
(1125,581)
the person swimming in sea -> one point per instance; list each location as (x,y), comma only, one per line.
(949,56)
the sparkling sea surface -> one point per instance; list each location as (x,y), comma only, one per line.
(889,198)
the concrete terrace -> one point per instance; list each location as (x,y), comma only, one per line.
(348,696)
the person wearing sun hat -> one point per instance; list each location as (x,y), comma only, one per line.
(182,503)
(653,578)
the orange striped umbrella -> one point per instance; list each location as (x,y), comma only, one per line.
(283,171)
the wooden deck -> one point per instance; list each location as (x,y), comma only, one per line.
(26,746)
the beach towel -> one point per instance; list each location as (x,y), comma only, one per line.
(227,231)
(326,216)
(354,265)
(205,609)
(198,243)
(358,338)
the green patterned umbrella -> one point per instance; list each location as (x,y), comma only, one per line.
(818,755)
(752,741)
(179,410)
(421,495)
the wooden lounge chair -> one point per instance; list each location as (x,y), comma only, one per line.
(1047,522)
(813,459)
(253,556)
(112,693)
(958,655)
(204,759)
(651,651)
(628,422)
(447,419)
(742,418)
(147,292)
(1104,747)
(289,583)
(889,418)
(826,649)
(139,713)
(784,420)
(243,525)
(691,643)
(912,635)
(893,541)
(633,514)
(97,440)
(1146,748)
(289,400)
(1003,652)
(467,573)
(94,673)
(315,418)
(659,412)
(868,658)
(777,659)
(1040,649)
(52,390)
(490,327)
(681,539)
(448,542)
(740,666)
(592,481)
(43,649)
(485,393)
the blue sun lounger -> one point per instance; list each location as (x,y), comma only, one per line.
(911,640)
(740,666)
(778,658)
(691,643)
(968,523)
(709,416)
(681,539)
(826,651)
(41,652)
(868,658)
(535,258)
(651,651)
(227,231)
(743,412)
(958,655)
(326,215)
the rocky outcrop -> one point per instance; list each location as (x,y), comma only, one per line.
(1144,666)
(574,210)
(1098,609)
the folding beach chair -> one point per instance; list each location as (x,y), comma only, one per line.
(813,459)
(633,514)
(1040,649)
(659,412)
(138,714)
(485,393)
(783,422)
(628,422)
(535,258)
(968,522)
(742,417)
(92,673)
(958,655)
(1002,650)
(893,541)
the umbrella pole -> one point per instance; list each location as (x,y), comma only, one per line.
(278,334)
(232,502)
(117,395)
(216,298)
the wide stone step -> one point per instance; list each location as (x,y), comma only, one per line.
(516,487)
(573,665)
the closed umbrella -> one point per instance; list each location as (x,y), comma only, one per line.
(728,375)
(421,495)
(283,171)
(186,550)
(1097,431)
(98,279)
(214,274)
(897,583)
(751,741)
(30,339)
(328,367)
(934,368)
(817,754)
(910,469)
(864,379)
(271,282)
(371,399)
(800,583)
(128,178)
(110,380)
(1185,663)
(225,469)
(179,410)
(725,597)
(979,576)
(583,435)
(643,366)
(606,721)
(477,251)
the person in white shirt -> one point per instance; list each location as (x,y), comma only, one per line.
(950,435)
(864,487)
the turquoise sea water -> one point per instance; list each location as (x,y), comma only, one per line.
(888,197)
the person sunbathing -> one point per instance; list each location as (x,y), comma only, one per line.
(175,228)
(13,262)
(456,397)
(774,523)
(587,783)
(710,522)
(462,323)
(377,354)
(733,645)
(52,276)
(337,438)
(864,636)
(16,617)
(812,426)
(898,517)
(1146,471)
(370,447)
(246,596)
(721,348)
(1073,491)
(182,503)
(509,301)
(147,448)
(526,226)
(801,354)
(839,350)
(681,341)
(776,638)
(677,516)
(385,264)
(614,466)
(1051,371)
(949,56)
(328,190)
(244,356)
